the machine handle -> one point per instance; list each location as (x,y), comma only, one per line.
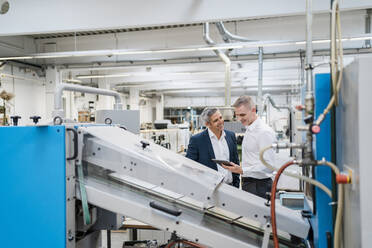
(75,139)
(35,119)
(15,119)
(165,209)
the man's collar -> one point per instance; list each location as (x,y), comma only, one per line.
(254,124)
(211,134)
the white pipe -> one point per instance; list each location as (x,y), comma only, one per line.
(309,58)
(72,87)
(225,59)
(229,36)
(309,97)
(260,71)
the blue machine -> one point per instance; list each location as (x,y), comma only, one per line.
(322,221)
(33,164)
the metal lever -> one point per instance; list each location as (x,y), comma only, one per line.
(266,237)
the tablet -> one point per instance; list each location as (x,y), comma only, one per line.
(224,162)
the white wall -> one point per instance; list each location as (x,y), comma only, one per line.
(276,117)
(145,108)
(29,97)
(184,102)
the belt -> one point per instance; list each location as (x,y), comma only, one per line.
(255,179)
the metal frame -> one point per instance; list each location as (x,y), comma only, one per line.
(183,181)
(70,193)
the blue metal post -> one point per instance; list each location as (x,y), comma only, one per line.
(322,221)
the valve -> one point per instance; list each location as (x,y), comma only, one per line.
(35,119)
(343,179)
(15,119)
(315,129)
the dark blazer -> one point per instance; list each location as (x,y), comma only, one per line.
(201,150)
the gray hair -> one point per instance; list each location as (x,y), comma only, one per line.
(207,113)
(244,100)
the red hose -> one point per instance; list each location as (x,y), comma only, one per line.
(272,207)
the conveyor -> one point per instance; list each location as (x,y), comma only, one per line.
(126,174)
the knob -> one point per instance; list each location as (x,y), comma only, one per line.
(144,144)
(35,119)
(268,198)
(315,129)
(15,119)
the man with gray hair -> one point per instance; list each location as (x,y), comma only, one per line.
(215,143)
(256,177)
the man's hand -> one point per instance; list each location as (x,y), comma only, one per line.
(234,168)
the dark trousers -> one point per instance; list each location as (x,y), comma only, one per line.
(256,186)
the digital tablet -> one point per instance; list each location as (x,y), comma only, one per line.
(224,162)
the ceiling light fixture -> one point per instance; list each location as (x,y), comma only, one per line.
(103,76)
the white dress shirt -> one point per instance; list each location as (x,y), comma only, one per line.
(257,136)
(222,152)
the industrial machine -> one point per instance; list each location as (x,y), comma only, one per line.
(129,119)
(59,177)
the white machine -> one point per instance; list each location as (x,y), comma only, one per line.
(127,175)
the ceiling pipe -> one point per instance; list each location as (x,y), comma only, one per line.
(268,98)
(58,109)
(367,43)
(227,36)
(260,71)
(291,120)
(309,96)
(225,59)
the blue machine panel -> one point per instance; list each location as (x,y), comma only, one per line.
(32,187)
(322,220)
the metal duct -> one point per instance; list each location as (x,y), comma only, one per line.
(260,70)
(58,109)
(227,36)
(225,59)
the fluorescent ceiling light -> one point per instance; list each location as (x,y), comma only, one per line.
(103,76)
(72,80)
(149,74)
(224,46)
